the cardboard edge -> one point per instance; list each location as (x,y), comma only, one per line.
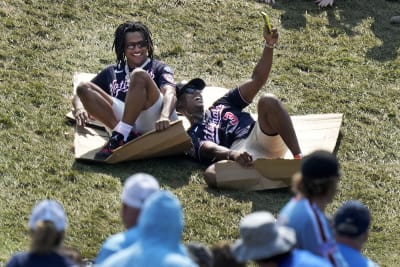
(119,156)
(254,180)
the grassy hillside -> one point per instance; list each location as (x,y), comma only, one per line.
(343,59)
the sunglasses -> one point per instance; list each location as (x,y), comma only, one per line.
(191,90)
(140,44)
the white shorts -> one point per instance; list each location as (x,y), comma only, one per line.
(147,118)
(260,145)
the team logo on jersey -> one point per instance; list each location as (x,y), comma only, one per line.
(169,78)
(233,120)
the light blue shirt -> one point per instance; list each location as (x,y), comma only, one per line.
(301,258)
(354,257)
(116,243)
(313,232)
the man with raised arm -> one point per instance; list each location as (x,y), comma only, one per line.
(226,132)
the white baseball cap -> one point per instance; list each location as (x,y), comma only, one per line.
(138,188)
(48,210)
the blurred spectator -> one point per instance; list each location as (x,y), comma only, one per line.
(200,254)
(223,256)
(315,188)
(160,228)
(47,226)
(269,244)
(137,189)
(351,223)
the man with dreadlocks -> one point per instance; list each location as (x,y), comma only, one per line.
(131,97)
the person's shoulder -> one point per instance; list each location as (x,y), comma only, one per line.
(160,65)
(175,259)
(294,213)
(354,256)
(60,260)
(294,205)
(108,69)
(17,259)
(121,258)
(371,263)
(306,258)
(113,242)
(114,67)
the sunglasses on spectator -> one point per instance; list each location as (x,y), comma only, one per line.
(139,44)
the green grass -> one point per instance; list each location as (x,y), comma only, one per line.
(343,59)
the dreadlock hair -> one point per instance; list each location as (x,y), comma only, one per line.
(119,38)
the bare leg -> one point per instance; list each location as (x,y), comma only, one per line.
(142,94)
(97,103)
(274,119)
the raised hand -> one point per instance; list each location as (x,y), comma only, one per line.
(270,34)
(267,1)
(324,3)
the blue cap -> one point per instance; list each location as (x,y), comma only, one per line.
(352,219)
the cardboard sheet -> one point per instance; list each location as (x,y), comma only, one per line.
(231,175)
(173,141)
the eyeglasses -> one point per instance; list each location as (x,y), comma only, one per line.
(139,44)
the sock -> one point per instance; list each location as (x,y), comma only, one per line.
(123,128)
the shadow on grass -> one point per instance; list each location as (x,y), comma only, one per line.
(270,200)
(169,171)
(175,172)
(345,16)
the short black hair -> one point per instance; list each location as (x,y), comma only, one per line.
(119,38)
(319,165)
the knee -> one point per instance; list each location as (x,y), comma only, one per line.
(138,75)
(82,89)
(210,176)
(267,102)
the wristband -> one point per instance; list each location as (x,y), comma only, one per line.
(228,157)
(298,156)
(267,45)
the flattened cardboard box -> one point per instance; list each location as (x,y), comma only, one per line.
(314,131)
(172,141)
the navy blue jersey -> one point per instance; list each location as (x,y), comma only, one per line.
(26,259)
(113,79)
(223,123)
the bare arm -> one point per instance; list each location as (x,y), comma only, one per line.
(261,71)
(214,152)
(169,102)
